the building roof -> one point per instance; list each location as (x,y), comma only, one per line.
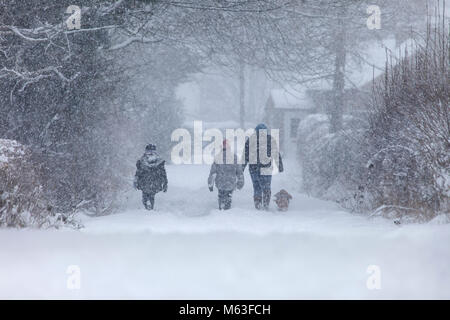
(284,99)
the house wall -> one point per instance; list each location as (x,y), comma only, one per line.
(279,118)
(289,141)
(275,119)
(355,100)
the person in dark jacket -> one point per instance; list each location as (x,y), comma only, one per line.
(226,173)
(150,176)
(261,144)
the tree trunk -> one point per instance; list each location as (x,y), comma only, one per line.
(337,108)
(242,95)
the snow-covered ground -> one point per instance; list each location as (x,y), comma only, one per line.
(189,249)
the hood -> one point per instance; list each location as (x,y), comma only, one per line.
(260,126)
(221,157)
(151,159)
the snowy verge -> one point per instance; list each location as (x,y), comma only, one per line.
(187,249)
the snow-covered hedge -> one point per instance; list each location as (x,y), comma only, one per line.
(22,199)
(397,163)
(331,162)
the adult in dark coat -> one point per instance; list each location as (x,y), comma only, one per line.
(261,144)
(151,176)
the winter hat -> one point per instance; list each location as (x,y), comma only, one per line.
(150,147)
(225,144)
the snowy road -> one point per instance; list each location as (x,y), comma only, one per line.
(189,249)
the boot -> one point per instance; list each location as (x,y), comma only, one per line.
(257,201)
(266,199)
(224,200)
(220,200)
(149,205)
(227,203)
(149,201)
(227,200)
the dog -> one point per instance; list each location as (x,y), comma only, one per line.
(282,199)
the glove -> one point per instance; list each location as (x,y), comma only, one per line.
(211,188)
(280,166)
(165,188)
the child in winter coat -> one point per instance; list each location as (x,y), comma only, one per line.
(227,175)
(151,176)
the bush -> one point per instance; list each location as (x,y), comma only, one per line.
(22,199)
(409,135)
(332,162)
(398,165)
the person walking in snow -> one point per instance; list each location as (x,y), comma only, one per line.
(150,176)
(261,144)
(226,173)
